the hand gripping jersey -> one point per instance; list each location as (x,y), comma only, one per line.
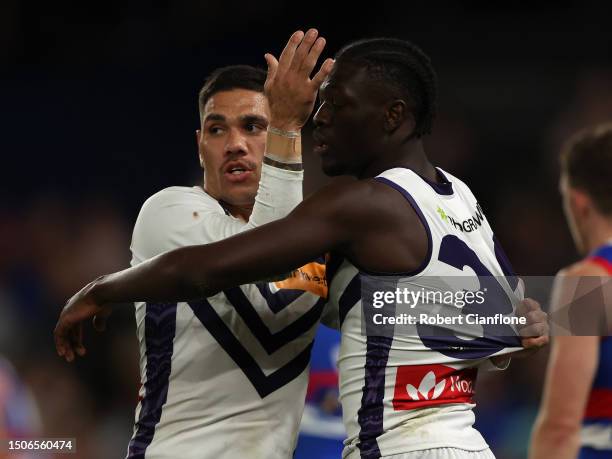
(224,377)
(409,392)
(597,425)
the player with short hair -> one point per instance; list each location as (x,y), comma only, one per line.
(226,377)
(376,105)
(575,418)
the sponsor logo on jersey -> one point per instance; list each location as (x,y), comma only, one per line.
(418,386)
(466,226)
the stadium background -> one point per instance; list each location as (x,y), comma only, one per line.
(98,111)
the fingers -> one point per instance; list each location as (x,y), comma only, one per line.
(59,336)
(527,305)
(63,335)
(304,49)
(78,340)
(311,59)
(68,333)
(323,73)
(272,66)
(286,57)
(300,56)
(100,319)
(534,330)
(531,343)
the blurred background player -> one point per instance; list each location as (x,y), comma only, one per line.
(575,417)
(376,105)
(321,430)
(19,415)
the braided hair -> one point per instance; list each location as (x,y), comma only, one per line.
(404,67)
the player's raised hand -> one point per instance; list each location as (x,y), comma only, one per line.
(68,333)
(290,90)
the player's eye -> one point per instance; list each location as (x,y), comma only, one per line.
(336,102)
(253,128)
(332,102)
(215,130)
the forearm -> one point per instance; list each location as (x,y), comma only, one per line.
(280,187)
(163,278)
(551,439)
(280,191)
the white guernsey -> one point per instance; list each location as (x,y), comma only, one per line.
(405,392)
(224,377)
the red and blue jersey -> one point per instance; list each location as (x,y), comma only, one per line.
(597,428)
(321,430)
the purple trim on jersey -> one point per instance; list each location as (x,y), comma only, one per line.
(272,342)
(332,266)
(160,328)
(279,300)
(350,297)
(370,415)
(504,263)
(445,188)
(416,208)
(263,383)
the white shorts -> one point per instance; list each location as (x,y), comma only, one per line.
(444,453)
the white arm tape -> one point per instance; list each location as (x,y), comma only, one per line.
(279,192)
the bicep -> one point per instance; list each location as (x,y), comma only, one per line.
(312,229)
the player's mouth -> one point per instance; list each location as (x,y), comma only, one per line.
(320,144)
(320,148)
(238,171)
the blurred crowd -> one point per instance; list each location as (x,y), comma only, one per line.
(62,224)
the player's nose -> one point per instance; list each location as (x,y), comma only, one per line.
(322,117)
(236,143)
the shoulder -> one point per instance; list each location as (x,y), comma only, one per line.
(170,217)
(349,209)
(176,196)
(585,267)
(351,197)
(174,203)
(354,210)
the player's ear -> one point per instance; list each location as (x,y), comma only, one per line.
(397,112)
(200,149)
(581,203)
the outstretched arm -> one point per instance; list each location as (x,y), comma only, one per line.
(320,224)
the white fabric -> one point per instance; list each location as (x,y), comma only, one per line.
(597,436)
(444,453)
(399,429)
(212,409)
